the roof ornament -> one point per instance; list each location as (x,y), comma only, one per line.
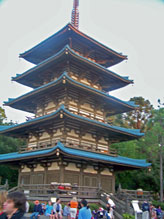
(75,14)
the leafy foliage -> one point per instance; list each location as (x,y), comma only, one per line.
(8,145)
(128,216)
(94,206)
(138,118)
(144,148)
(157,203)
(2,115)
(31,207)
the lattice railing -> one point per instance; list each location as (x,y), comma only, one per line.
(72,143)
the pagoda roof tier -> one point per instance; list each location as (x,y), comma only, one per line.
(117,162)
(28,102)
(118,132)
(34,77)
(76,39)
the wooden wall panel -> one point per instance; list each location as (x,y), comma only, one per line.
(71,177)
(52,176)
(106,183)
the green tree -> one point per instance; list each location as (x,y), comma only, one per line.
(8,145)
(2,115)
(144,148)
(138,118)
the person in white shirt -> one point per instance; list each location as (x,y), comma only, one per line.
(110,202)
(27,207)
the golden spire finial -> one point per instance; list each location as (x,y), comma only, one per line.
(75,14)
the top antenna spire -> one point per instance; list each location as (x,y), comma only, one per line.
(75,14)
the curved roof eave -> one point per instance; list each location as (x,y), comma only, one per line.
(131,132)
(52,58)
(129,104)
(22,55)
(123,57)
(119,160)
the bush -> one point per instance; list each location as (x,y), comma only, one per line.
(93,206)
(157,203)
(31,207)
(128,216)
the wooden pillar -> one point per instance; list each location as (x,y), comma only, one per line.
(45,174)
(19,177)
(31,172)
(64,131)
(50,132)
(113,182)
(81,177)
(37,135)
(99,176)
(61,177)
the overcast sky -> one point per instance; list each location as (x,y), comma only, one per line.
(133,27)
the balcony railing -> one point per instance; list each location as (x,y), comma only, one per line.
(71,143)
(62,190)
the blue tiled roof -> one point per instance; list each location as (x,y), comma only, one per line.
(50,59)
(116,128)
(127,103)
(48,42)
(5,127)
(135,132)
(76,152)
(10,100)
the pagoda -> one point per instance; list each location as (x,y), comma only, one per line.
(69,140)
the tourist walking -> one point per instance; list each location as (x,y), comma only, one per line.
(110,202)
(57,208)
(14,206)
(85,212)
(73,207)
(109,212)
(37,210)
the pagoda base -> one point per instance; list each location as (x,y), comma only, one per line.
(61,171)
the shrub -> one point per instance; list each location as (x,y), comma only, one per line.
(157,203)
(31,207)
(93,206)
(128,216)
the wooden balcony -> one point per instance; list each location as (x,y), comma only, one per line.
(71,143)
(62,190)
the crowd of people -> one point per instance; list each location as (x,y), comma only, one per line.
(150,211)
(72,210)
(14,206)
